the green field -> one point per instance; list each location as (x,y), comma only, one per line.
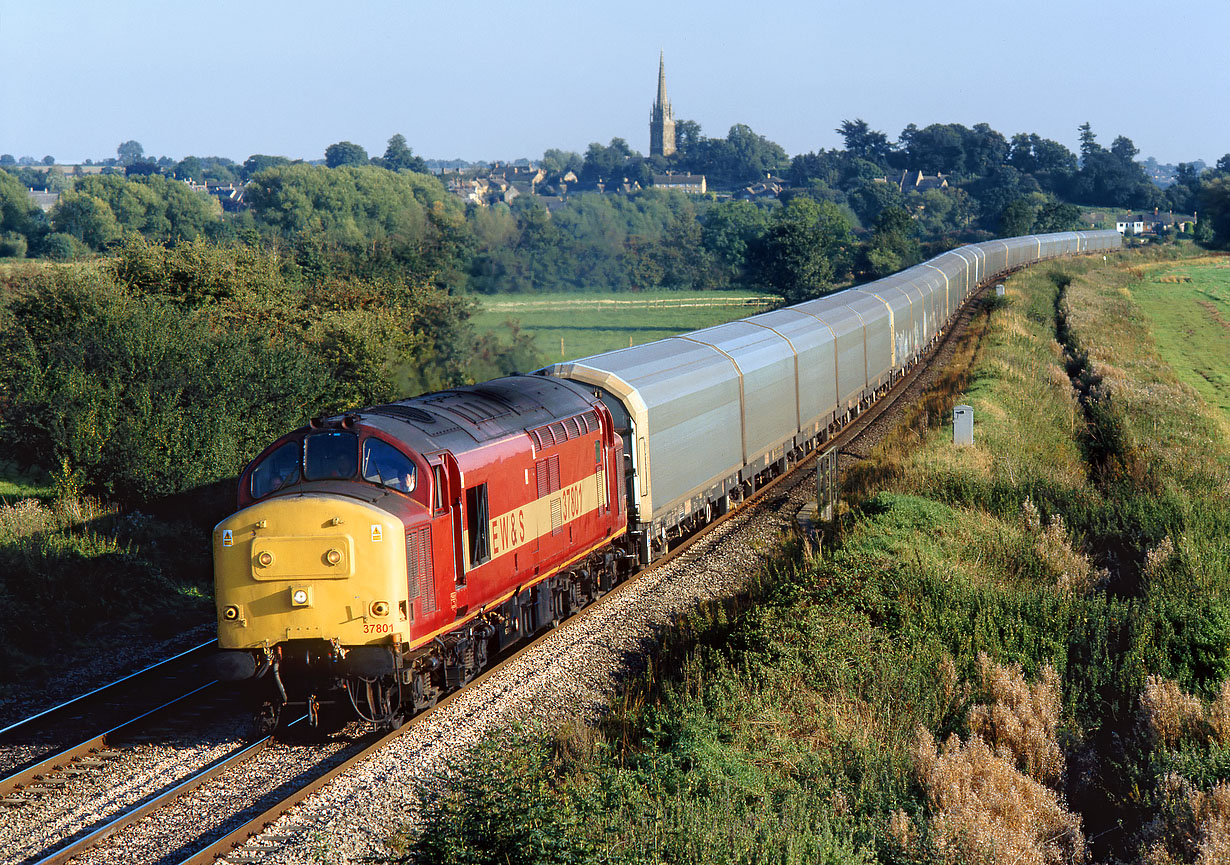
(1188,307)
(567,326)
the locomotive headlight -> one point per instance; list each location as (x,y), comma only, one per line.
(380,608)
(264,558)
(231,613)
(333,557)
(300,597)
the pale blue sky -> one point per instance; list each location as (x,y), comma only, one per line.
(485,79)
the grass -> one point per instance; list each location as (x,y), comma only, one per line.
(77,577)
(568,326)
(17,483)
(1188,310)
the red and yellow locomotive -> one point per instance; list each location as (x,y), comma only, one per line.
(380,556)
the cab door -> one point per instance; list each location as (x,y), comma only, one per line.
(447,529)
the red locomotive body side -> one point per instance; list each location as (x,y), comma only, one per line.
(527,506)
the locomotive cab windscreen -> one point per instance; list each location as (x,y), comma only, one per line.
(333,456)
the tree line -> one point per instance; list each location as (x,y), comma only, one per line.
(386,217)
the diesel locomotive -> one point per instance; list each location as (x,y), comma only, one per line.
(379,557)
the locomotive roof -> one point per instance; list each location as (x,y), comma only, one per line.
(458,419)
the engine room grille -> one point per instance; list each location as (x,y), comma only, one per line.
(419,568)
(547,471)
(564,430)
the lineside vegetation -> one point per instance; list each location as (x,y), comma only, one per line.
(1016,652)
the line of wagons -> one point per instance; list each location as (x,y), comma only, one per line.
(378,556)
(704,414)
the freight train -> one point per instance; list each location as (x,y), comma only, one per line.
(380,557)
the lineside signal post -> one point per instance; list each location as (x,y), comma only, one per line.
(827,490)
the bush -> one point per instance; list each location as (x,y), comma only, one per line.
(12,245)
(135,399)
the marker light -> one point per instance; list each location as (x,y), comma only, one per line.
(231,613)
(380,608)
(299,597)
(333,557)
(264,559)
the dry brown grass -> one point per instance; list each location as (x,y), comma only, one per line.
(1022,719)
(1212,812)
(1073,570)
(1171,715)
(1196,828)
(1158,558)
(989,796)
(29,517)
(985,810)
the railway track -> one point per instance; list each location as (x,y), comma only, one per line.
(34,750)
(242,822)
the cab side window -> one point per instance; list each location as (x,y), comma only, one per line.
(385,465)
(479,526)
(280,469)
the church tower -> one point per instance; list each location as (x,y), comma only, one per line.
(661,118)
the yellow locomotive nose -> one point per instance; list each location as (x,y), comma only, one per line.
(311,567)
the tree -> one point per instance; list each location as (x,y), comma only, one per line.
(557,162)
(804,248)
(731,229)
(894,243)
(87,218)
(863,142)
(1123,148)
(259,162)
(399,157)
(7,159)
(130,152)
(345,153)
(141,169)
(1215,210)
(1055,216)
(870,200)
(1111,177)
(49,160)
(688,138)
(190,168)
(607,163)
(1017,218)
(1223,164)
(1089,141)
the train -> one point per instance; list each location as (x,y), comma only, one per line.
(380,557)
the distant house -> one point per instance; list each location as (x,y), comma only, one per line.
(693,183)
(44,199)
(770,187)
(1134,223)
(230,195)
(915,180)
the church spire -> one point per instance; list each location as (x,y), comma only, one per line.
(663,102)
(661,118)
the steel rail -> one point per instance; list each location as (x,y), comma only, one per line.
(99,690)
(187,785)
(23,777)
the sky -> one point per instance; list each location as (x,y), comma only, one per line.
(499,79)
